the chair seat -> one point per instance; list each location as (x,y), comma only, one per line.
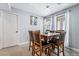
(55,42)
(44,43)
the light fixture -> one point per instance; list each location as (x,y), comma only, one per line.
(47,6)
(59,3)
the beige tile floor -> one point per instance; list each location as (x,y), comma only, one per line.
(24,51)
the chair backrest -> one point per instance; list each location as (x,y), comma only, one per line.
(62,35)
(31,36)
(36,36)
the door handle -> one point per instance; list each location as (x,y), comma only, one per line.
(16,31)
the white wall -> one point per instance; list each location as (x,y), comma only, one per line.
(74,27)
(24,24)
(1,30)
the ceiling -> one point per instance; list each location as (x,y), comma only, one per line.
(41,9)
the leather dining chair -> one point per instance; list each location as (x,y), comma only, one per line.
(58,42)
(39,45)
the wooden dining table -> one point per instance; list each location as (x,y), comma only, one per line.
(49,36)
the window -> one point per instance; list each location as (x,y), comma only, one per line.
(46,24)
(60,22)
(33,20)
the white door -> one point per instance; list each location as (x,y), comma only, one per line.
(9,30)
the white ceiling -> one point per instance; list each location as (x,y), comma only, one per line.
(39,8)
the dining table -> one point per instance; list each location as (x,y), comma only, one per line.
(48,36)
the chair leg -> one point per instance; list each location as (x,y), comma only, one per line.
(58,50)
(33,49)
(40,51)
(29,45)
(32,52)
(29,48)
(63,49)
(49,52)
(45,51)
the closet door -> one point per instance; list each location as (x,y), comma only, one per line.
(9,30)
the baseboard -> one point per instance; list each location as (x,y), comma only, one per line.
(23,43)
(77,50)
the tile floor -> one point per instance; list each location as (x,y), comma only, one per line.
(24,51)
